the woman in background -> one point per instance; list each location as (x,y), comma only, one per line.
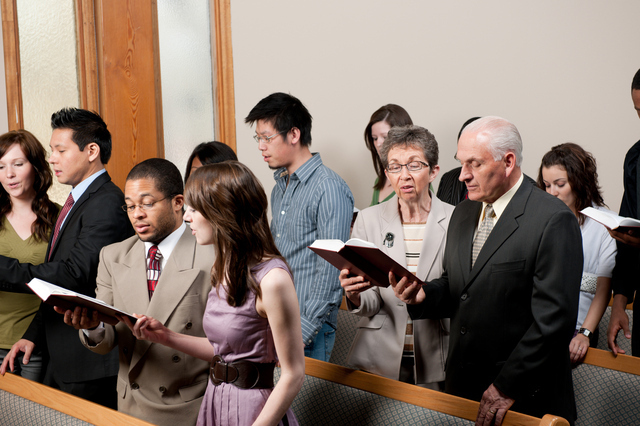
(411,228)
(569,173)
(26,219)
(208,153)
(252,318)
(375,133)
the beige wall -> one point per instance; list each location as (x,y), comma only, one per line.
(560,70)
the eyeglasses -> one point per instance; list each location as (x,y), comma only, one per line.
(414,166)
(267,139)
(144,207)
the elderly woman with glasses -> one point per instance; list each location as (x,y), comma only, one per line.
(411,228)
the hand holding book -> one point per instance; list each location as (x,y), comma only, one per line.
(623,229)
(353,285)
(79,318)
(363,259)
(67,300)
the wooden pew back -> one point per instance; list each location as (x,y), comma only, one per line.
(333,394)
(27,403)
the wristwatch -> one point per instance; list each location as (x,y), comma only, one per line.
(585,332)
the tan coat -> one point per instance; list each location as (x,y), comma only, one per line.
(156,383)
(379,341)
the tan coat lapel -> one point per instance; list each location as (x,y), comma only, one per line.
(434,235)
(175,280)
(391,224)
(131,278)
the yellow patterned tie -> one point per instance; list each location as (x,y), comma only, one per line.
(485,228)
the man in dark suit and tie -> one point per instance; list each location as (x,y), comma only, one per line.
(91,218)
(513,265)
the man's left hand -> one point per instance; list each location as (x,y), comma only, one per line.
(493,407)
(625,236)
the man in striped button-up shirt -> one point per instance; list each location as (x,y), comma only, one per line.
(309,202)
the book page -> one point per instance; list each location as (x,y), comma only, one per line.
(357,242)
(332,245)
(609,218)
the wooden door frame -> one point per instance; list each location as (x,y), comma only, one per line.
(91,70)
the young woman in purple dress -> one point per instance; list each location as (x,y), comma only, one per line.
(252,320)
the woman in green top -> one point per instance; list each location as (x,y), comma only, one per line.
(381,121)
(26,219)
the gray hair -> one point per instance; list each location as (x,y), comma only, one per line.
(410,136)
(501,135)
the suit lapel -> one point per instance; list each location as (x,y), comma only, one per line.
(77,207)
(175,280)
(392,224)
(434,234)
(132,272)
(506,225)
(466,229)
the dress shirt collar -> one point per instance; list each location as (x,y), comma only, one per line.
(80,188)
(167,245)
(303,172)
(501,203)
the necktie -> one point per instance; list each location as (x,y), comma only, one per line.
(153,270)
(65,209)
(485,228)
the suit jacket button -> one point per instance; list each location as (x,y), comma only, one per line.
(175,358)
(135,386)
(188,326)
(463,330)
(464,296)
(162,389)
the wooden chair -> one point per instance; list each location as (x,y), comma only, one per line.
(27,403)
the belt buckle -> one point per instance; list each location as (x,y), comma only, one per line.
(217,363)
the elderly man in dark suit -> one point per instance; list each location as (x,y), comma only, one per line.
(91,218)
(513,264)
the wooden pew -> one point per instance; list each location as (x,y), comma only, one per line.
(333,394)
(27,403)
(606,389)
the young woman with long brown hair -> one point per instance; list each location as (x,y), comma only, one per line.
(252,318)
(26,219)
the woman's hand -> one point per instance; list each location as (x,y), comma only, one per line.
(22,345)
(578,348)
(353,286)
(147,328)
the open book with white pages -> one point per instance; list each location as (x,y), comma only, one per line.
(68,299)
(362,258)
(610,219)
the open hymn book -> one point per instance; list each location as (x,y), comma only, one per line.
(362,258)
(67,299)
(610,219)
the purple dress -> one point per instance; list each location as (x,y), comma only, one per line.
(238,333)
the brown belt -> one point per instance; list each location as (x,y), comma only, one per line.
(242,374)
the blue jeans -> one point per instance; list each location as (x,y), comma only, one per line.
(321,347)
(32,371)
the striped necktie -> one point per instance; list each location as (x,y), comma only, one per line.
(485,228)
(153,270)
